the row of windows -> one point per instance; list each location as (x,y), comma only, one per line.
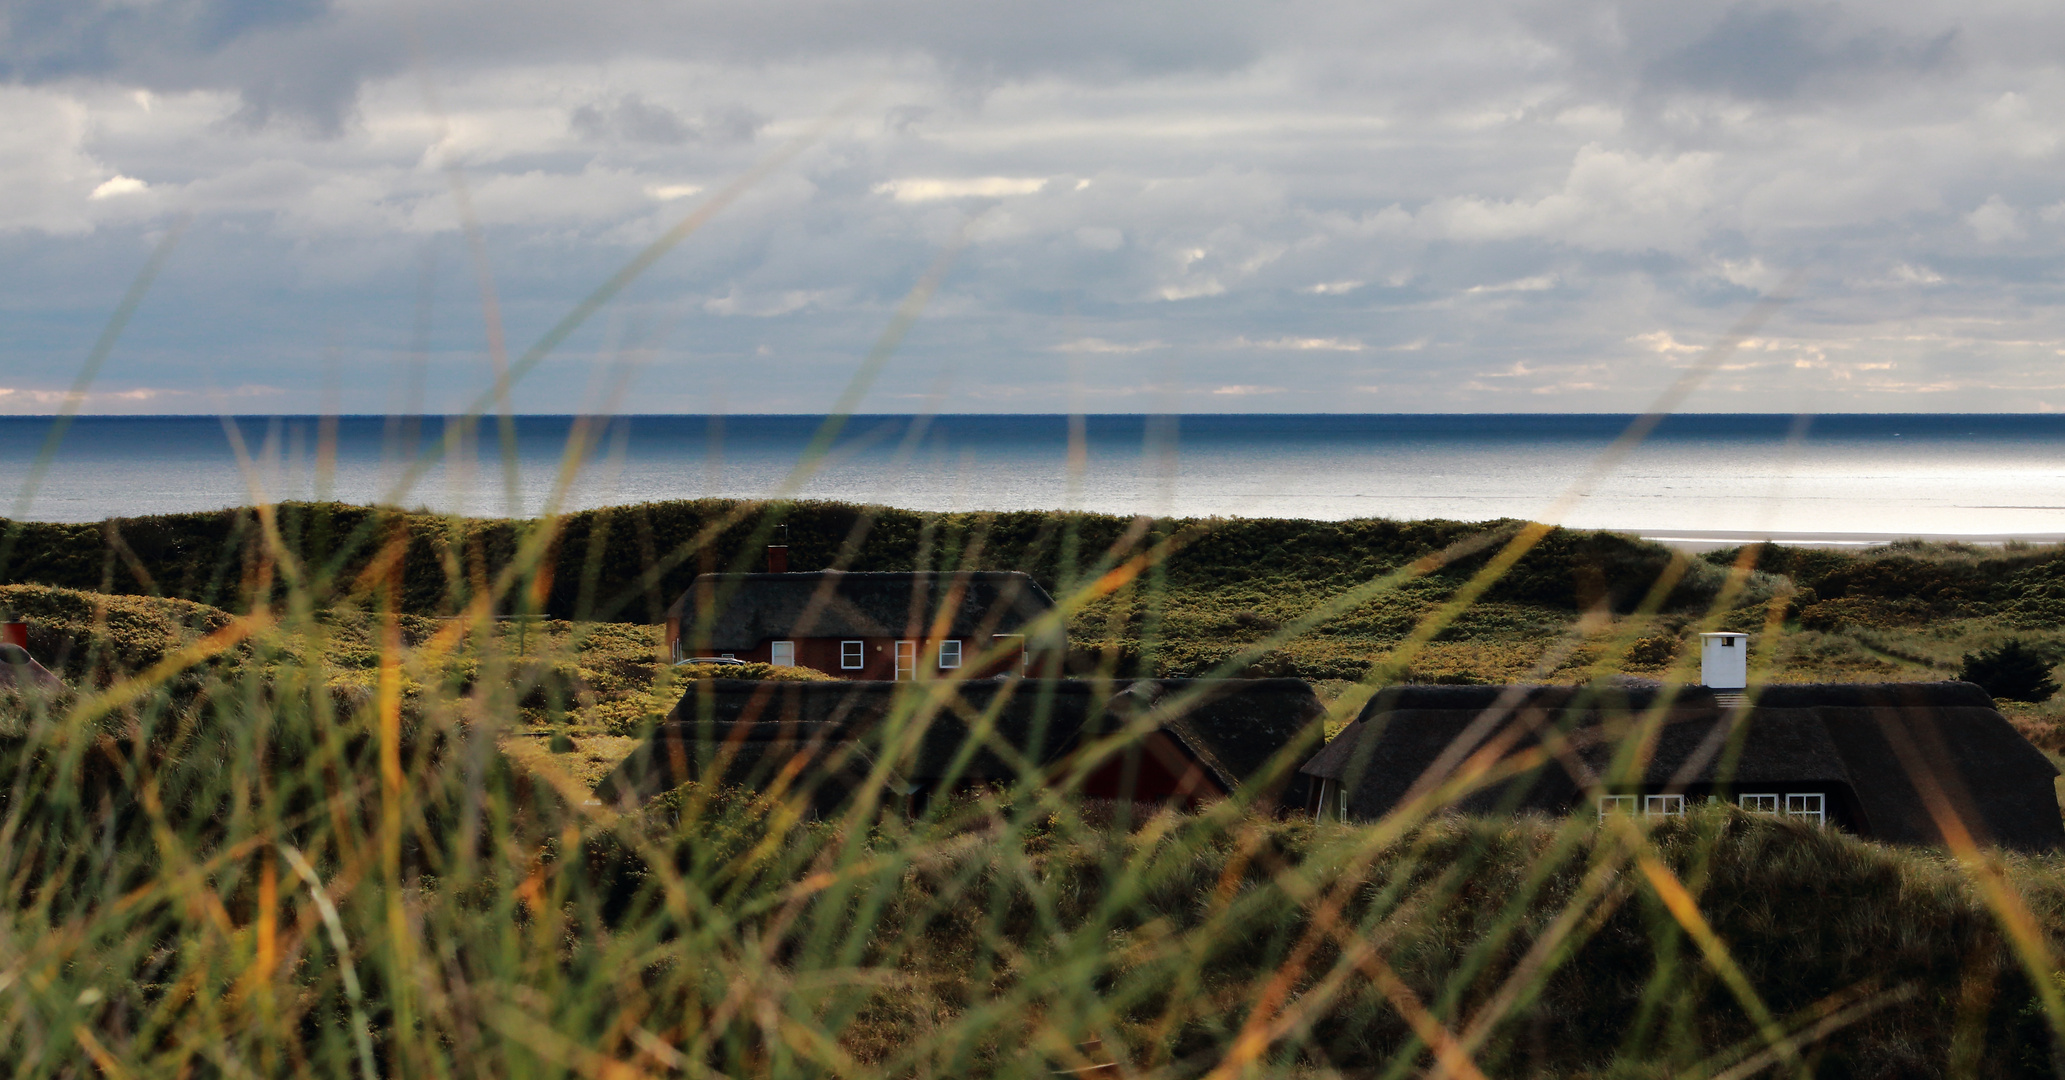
(853,655)
(1806,807)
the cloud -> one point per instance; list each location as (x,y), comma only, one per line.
(631,118)
(1664,342)
(929,189)
(118,186)
(1245,391)
(1772,52)
(1537,283)
(1191,290)
(1609,200)
(1099,345)
(1995,221)
(57,39)
(36,401)
(1302,344)
(1411,198)
(766,306)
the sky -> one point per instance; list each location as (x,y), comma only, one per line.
(1126,205)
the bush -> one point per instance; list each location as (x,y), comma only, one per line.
(2012,670)
(751,670)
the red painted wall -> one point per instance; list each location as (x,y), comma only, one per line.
(1154,770)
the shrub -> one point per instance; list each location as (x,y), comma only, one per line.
(751,670)
(2012,670)
(1653,651)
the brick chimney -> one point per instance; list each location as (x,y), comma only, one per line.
(13,631)
(777,558)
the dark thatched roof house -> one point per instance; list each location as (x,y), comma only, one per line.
(1177,741)
(862,625)
(1901,762)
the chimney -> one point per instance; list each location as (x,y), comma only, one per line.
(13,631)
(777,558)
(1724,661)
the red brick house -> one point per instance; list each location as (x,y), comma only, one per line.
(884,626)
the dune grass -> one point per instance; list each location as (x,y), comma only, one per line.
(322,833)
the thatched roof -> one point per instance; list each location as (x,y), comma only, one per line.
(17,667)
(1904,756)
(1240,728)
(752,608)
(1246,733)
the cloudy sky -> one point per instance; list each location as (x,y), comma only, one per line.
(1204,205)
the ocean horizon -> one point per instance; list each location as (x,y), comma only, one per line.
(1696,476)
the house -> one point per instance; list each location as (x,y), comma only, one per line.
(887,626)
(1900,762)
(1167,741)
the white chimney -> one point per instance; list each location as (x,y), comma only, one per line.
(1724,661)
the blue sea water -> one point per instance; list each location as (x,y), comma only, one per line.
(1695,475)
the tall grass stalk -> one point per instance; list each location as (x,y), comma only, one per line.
(303,837)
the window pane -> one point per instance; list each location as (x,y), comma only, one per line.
(950,654)
(784,654)
(852,655)
(1616,804)
(1809,807)
(1664,805)
(1759,804)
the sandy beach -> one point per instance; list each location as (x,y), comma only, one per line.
(1698,540)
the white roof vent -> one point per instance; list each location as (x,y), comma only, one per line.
(1724,661)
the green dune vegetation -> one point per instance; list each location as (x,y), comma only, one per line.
(1578,605)
(317,802)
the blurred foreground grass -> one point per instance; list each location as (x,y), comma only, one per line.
(311,822)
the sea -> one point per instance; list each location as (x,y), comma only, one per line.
(1692,479)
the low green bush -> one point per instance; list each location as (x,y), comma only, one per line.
(2013,670)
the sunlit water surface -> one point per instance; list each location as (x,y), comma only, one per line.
(1893,474)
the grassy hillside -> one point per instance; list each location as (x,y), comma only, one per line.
(1577,606)
(628,563)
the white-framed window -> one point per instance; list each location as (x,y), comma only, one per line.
(1758,804)
(906,660)
(853,655)
(949,654)
(1616,804)
(1812,808)
(783,654)
(1663,805)
(679,651)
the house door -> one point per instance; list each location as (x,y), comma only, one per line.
(906,660)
